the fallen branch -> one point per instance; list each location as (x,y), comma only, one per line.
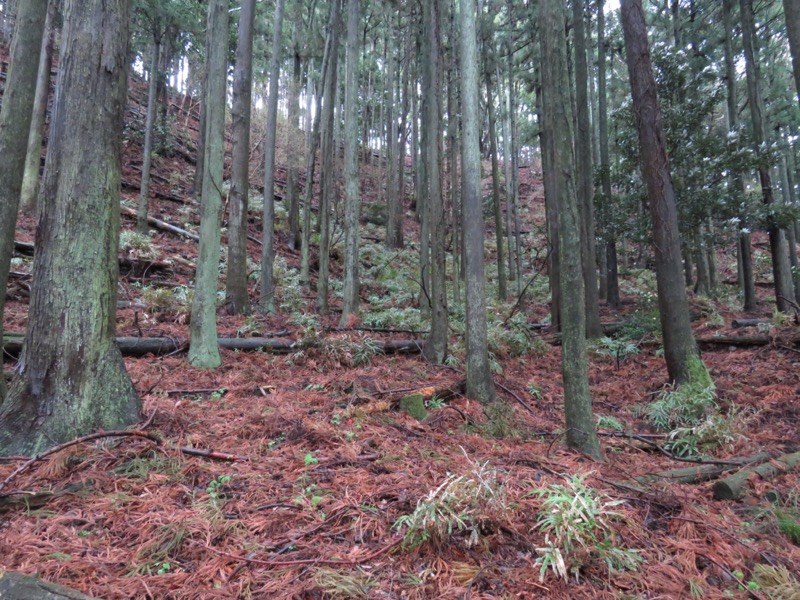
(737,323)
(734,486)
(158,224)
(702,473)
(86,438)
(215,454)
(745,340)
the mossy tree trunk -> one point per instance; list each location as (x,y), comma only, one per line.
(351,182)
(71,379)
(579,420)
(236,295)
(479,377)
(15,122)
(680,350)
(203,350)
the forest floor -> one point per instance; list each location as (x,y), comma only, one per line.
(325,471)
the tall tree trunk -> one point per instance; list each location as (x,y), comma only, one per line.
(611,274)
(498,213)
(453,124)
(203,348)
(293,143)
(71,379)
(236,295)
(149,126)
(200,154)
(33,156)
(680,350)
(435,349)
(583,165)
(311,162)
(266,299)
(351,183)
(329,152)
(791,11)
(777,240)
(551,211)
(15,123)
(394,205)
(479,377)
(580,424)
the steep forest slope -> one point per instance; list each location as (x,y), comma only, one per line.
(296,470)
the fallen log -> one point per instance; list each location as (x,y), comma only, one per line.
(747,340)
(700,473)
(133,346)
(16,586)
(735,486)
(737,323)
(159,224)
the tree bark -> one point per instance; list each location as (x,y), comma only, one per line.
(351,182)
(15,123)
(71,379)
(583,166)
(33,156)
(266,299)
(436,345)
(791,12)
(502,282)
(236,294)
(328,187)
(680,350)
(580,424)
(479,377)
(203,352)
(735,486)
(777,240)
(147,152)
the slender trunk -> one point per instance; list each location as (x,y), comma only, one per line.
(435,349)
(583,166)
(236,283)
(502,291)
(479,378)
(551,212)
(791,11)
(15,124)
(329,152)
(293,151)
(611,273)
(351,183)
(680,350)
(394,206)
(149,126)
(33,156)
(203,349)
(777,239)
(452,155)
(580,423)
(266,299)
(311,162)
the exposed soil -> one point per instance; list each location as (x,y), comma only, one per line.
(332,462)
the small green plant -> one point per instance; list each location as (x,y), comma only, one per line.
(218,394)
(617,350)
(309,459)
(609,422)
(576,523)
(460,504)
(712,432)
(163,568)
(434,402)
(534,391)
(215,487)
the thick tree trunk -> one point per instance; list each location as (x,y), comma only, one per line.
(15,123)
(236,295)
(266,298)
(580,424)
(479,377)
(680,350)
(583,166)
(203,352)
(71,379)
(33,156)
(351,182)
(777,240)
(149,126)
(551,212)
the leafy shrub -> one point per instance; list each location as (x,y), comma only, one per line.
(686,405)
(461,504)
(576,523)
(137,245)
